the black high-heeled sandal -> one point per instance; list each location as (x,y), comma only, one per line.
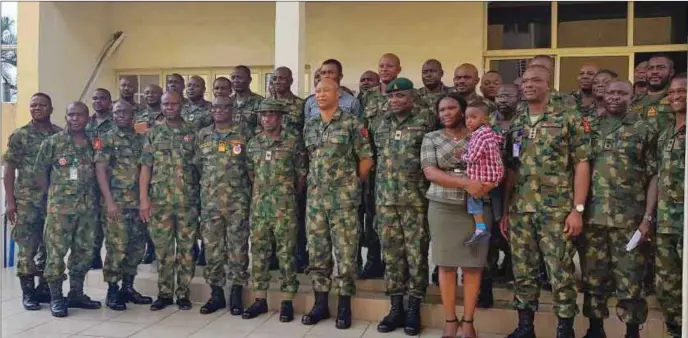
(468,322)
(455,320)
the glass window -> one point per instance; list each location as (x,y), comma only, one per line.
(592,24)
(680,59)
(510,70)
(660,22)
(9,74)
(519,25)
(570,66)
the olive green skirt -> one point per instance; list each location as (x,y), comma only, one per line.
(450,226)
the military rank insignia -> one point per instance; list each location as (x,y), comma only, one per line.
(222,147)
(586,125)
(62,161)
(364,132)
(97,143)
(236,149)
(652,112)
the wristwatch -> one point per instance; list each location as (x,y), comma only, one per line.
(580,208)
(648,218)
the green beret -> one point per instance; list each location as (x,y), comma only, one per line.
(272,105)
(399,84)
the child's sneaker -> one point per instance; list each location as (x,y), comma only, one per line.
(478,237)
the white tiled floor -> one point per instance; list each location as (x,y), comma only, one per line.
(140,322)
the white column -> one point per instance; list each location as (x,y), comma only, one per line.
(290,40)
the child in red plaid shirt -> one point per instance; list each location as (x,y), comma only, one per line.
(484,160)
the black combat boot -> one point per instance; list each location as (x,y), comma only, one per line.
(525,328)
(149,256)
(412,327)
(259,307)
(201,256)
(286,311)
(130,294)
(396,317)
(115,298)
(565,328)
(58,305)
(28,294)
(373,268)
(42,293)
(343,313)
(236,303)
(97,263)
(76,297)
(161,303)
(632,331)
(485,297)
(184,303)
(596,329)
(320,310)
(216,302)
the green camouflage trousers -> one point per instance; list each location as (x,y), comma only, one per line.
(405,242)
(68,233)
(126,245)
(99,234)
(668,273)
(225,236)
(536,235)
(329,228)
(608,264)
(172,227)
(271,223)
(28,236)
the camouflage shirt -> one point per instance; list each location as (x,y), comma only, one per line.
(293,120)
(223,165)
(622,161)
(556,98)
(334,150)
(147,117)
(245,112)
(121,150)
(577,96)
(71,170)
(22,148)
(671,155)
(276,166)
(95,129)
(399,175)
(543,154)
(169,152)
(656,110)
(198,115)
(430,98)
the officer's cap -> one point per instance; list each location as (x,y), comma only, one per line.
(272,105)
(399,84)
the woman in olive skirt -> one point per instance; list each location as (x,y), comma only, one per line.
(450,223)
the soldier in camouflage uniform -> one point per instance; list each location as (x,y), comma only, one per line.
(584,96)
(669,183)
(640,81)
(172,209)
(340,158)
(489,85)
(245,101)
(622,162)
(116,157)
(282,80)
(466,80)
(654,106)
(222,87)
(99,124)
(369,81)
(220,155)
(277,165)
(599,84)
(127,89)
(175,83)
(433,88)
(547,159)
(26,207)
(400,216)
(64,170)
(197,110)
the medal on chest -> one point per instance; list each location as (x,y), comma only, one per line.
(222,147)
(236,149)
(268,155)
(397,135)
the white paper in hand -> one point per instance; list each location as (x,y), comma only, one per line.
(633,243)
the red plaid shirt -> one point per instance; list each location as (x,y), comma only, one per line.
(484,156)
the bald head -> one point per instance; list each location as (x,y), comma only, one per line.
(76,117)
(327,95)
(77,106)
(389,67)
(542,60)
(432,74)
(466,78)
(152,94)
(123,114)
(617,96)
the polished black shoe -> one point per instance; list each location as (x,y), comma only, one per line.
(396,317)
(343,313)
(115,298)
(259,307)
(565,328)
(412,326)
(525,328)
(596,329)
(58,304)
(97,263)
(130,294)
(161,303)
(319,311)
(184,304)
(286,311)
(28,294)
(76,297)
(236,303)
(486,296)
(216,302)
(42,292)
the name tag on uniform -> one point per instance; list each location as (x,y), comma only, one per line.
(397,135)
(669,145)
(608,144)
(73,173)
(268,155)
(222,147)
(532,134)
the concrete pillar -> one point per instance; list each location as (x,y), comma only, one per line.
(290,41)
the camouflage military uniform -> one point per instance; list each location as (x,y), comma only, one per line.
(294,119)
(225,196)
(198,115)
(70,221)
(656,110)
(94,130)
(430,98)
(144,119)
(401,218)
(174,203)
(556,98)
(22,147)
(543,154)
(245,112)
(671,154)
(334,149)
(623,160)
(126,237)
(577,96)
(276,165)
